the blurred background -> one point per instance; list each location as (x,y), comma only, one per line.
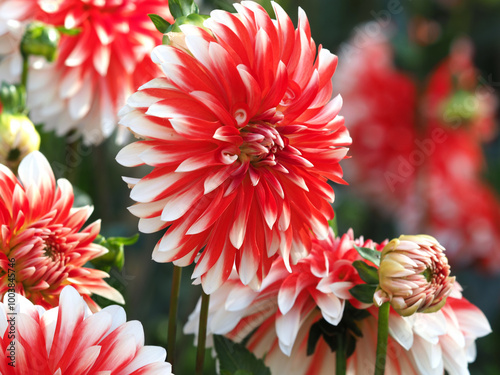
(420,82)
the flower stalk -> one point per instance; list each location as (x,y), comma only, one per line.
(172,314)
(382,337)
(341,355)
(202,332)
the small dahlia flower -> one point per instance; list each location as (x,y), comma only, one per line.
(96,69)
(42,244)
(69,339)
(242,136)
(414,275)
(318,287)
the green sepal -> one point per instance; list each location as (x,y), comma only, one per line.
(367,273)
(369,254)
(192,19)
(236,359)
(71,32)
(160,23)
(363,292)
(180,8)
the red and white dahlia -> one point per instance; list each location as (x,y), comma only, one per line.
(42,242)
(69,339)
(97,69)
(318,287)
(242,136)
(282,322)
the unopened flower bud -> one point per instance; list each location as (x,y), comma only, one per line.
(40,40)
(414,275)
(18,137)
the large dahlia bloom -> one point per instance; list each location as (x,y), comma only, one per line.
(242,136)
(96,69)
(419,344)
(69,339)
(42,241)
(318,287)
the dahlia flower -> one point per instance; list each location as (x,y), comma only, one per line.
(414,275)
(318,287)
(419,344)
(242,137)
(421,175)
(69,339)
(381,112)
(97,68)
(42,241)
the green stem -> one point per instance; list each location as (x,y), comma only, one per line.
(24,74)
(24,86)
(382,337)
(172,314)
(341,355)
(202,333)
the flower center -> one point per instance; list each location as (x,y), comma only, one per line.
(260,144)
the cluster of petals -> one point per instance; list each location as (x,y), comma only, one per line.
(96,69)
(242,136)
(422,344)
(317,287)
(419,344)
(43,244)
(414,275)
(421,174)
(69,339)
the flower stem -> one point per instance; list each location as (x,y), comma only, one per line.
(172,314)
(382,337)
(24,74)
(202,333)
(340,355)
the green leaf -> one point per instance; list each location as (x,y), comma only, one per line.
(12,98)
(180,8)
(160,23)
(369,254)
(333,224)
(236,359)
(367,273)
(363,292)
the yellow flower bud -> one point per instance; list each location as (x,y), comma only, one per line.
(18,137)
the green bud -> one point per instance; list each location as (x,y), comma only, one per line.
(40,40)
(115,257)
